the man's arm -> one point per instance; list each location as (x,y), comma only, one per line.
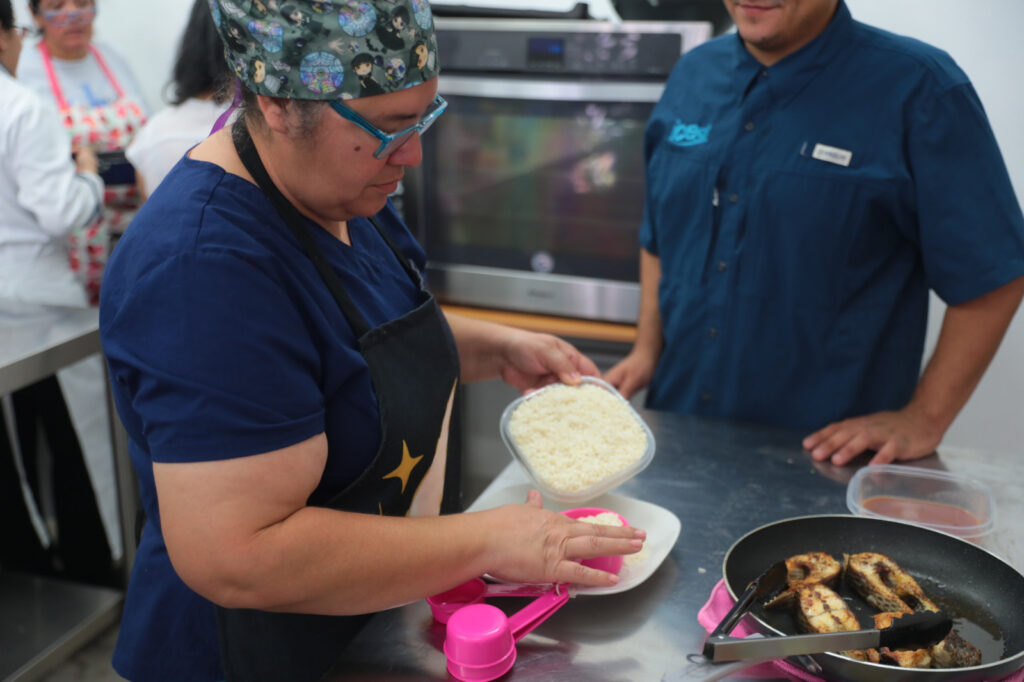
(971,334)
(634,372)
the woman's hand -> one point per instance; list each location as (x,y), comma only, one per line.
(529,360)
(534,545)
(86,160)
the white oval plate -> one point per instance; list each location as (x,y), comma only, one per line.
(662,528)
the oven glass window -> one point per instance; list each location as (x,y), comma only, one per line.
(548,186)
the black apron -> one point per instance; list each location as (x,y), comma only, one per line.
(414,368)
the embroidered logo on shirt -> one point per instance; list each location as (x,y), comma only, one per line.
(840,157)
(689,134)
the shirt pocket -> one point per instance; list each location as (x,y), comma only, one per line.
(811,237)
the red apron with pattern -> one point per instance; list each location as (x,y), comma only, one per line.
(104,128)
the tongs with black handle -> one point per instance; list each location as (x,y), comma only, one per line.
(720,653)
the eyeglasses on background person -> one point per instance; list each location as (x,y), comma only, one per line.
(62,17)
(390,142)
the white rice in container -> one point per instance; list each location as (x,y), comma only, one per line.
(610,519)
(575,437)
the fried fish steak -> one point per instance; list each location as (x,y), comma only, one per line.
(803,570)
(904,658)
(952,652)
(955,652)
(821,609)
(884,584)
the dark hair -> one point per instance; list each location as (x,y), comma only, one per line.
(200,66)
(6,15)
(309,112)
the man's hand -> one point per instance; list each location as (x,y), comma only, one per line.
(632,373)
(901,435)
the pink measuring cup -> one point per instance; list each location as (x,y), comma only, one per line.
(474,591)
(481,640)
(613,563)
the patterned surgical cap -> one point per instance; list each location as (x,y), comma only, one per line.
(345,49)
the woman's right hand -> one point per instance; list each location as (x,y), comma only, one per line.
(86,160)
(535,545)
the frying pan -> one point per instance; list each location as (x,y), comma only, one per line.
(983,594)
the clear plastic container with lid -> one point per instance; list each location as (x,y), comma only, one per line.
(934,499)
(598,487)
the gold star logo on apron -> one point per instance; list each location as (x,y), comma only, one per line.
(405,468)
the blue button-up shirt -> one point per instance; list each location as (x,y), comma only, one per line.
(802,211)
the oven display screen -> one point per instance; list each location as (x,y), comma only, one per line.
(547,51)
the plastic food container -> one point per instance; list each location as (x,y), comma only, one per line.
(934,499)
(600,487)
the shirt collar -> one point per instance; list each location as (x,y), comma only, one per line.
(790,74)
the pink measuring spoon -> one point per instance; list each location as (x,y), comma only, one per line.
(481,640)
(474,591)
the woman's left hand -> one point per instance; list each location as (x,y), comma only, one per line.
(530,360)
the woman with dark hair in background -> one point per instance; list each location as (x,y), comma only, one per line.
(51,522)
(100,106)
(198,98)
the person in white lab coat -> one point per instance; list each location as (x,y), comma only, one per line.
(44,194)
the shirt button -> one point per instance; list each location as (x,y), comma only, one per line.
(733,198)
(749,125)
(713,332)
(722,265)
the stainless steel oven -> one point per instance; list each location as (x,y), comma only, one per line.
(531,190)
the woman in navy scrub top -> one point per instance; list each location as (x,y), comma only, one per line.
(287,383)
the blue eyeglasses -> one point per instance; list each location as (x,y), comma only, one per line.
(390,142)
(63,18)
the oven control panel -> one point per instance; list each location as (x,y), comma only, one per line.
(584,49)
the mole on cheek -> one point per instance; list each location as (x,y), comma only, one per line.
(357,148)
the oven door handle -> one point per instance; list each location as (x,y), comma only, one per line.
(551,89)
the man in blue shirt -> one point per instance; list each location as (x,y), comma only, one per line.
(808,181)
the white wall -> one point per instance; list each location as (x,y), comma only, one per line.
(984,38)
(982,35)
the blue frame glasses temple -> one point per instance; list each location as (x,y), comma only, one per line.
(390,142)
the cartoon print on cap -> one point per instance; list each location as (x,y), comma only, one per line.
(294,15)
(362,65)
(268,33)
(241,69)
(421,11)
(394,29)
(357,18)
(322,7)
(394,70)
(322,72)
(259,75)
(232,9)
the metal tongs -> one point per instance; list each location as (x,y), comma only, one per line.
(721,652)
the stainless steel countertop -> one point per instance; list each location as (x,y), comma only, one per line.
(36,341)
(722,480)
(44,620)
